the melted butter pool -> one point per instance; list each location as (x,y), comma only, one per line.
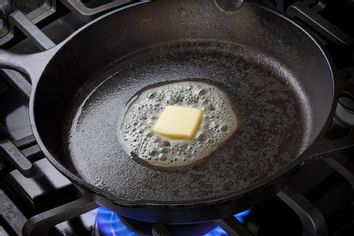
(218,124)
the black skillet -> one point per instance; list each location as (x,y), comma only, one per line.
(279,77)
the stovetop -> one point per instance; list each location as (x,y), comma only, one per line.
(35,199)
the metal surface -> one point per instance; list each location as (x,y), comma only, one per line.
(79,7)
(250,25)
(45,10)
(311,218)
(233,227)
(343,166)
(345,110)
(17,158)
(40,224)
(303,11)
(18,80)
(161,230)
(10,213)
(5,9)
(19,20)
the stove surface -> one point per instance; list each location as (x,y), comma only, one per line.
(35,199)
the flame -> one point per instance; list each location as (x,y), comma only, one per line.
(109,224)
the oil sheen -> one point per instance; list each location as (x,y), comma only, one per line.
(218,124)
(273,124)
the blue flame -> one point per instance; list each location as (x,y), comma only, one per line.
(109,224)
(243,215)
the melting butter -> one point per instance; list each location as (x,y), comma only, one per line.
(218,124)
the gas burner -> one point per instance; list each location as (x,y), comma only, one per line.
(108,223)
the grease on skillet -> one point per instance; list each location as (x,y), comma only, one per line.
(271,106)
(218,124)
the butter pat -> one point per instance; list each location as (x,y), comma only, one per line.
(177,122)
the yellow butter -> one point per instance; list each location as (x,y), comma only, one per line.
(178,122)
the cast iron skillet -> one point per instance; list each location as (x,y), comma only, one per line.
(279,77)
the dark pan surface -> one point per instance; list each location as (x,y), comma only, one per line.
(275,122)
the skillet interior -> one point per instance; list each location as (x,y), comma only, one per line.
(271,69)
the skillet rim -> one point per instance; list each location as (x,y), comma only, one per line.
(232,196)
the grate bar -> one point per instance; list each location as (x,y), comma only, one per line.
(43,222)
(313,222)
(17,159)
(233,227)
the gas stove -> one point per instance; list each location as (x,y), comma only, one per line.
(35,199)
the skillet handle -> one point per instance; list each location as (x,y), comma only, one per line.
(30,65)
(323,146)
